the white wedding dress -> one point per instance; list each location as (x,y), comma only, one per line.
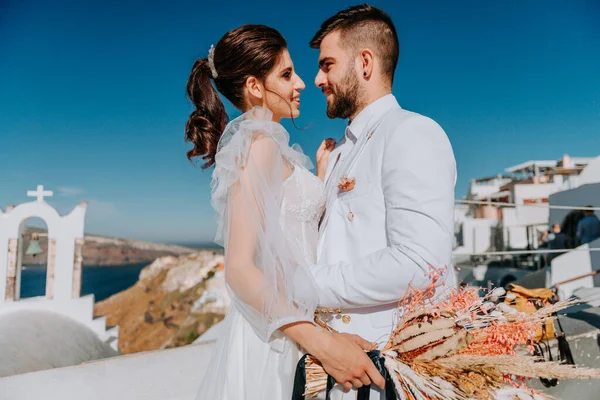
(268,225)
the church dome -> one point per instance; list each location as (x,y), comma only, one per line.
(32,340)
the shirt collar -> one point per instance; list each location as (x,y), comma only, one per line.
(369,116)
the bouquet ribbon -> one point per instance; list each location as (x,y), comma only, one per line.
(363,392)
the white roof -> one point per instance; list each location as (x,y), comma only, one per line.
(582,160)
(547,164)
(530,164)
(494,195)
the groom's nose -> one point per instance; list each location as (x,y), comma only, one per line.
(320,79)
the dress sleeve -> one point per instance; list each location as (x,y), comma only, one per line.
(268,283)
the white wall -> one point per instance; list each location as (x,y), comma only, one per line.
(460,213)
(159,375)
(530,215)
(476,236)
(576,263)
(591,173)
(80,309)
(533,191)
(515,233)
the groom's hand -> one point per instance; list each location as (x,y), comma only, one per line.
(343,357)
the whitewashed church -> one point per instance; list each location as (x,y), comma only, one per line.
(59,328)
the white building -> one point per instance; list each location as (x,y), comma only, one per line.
(515,214)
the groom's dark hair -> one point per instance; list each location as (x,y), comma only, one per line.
(365,26)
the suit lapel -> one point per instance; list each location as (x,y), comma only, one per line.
(349,161)
(330,170)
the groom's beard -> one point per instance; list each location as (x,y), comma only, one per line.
(345,98)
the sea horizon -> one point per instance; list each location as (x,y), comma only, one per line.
(194,244)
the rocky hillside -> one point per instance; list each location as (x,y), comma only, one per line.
(175,300)
(102,250)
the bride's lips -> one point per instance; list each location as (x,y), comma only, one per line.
(296,100)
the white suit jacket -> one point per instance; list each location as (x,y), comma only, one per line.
(396,222)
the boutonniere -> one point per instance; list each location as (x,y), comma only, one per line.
(346,184)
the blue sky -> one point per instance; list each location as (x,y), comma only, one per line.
(92,96)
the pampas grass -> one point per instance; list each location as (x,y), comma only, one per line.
(454,344)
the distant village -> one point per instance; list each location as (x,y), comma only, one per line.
(521,219)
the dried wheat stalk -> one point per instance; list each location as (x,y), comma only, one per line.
(526,366)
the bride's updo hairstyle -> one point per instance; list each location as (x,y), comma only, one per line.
(250,50)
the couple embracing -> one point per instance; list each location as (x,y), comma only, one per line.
(316,263)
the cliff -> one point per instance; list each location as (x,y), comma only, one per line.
(175,300)
(102,250)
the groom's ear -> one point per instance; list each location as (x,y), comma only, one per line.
(367,60)
(254,87)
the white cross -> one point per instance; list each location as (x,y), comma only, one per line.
(39,193)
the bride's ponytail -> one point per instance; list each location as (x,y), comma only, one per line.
(207,122)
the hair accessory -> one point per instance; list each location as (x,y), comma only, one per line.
(211,61)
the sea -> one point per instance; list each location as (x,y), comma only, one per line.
(102,281)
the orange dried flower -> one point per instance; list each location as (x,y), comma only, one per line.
(346,184)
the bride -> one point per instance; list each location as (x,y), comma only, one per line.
(269,206)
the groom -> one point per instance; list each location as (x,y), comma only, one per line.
(389,183)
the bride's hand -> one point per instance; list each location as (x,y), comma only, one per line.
(343,357)
(323,153)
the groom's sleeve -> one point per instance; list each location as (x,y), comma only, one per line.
(418,178)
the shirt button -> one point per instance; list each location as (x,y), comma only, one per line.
(351,216)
